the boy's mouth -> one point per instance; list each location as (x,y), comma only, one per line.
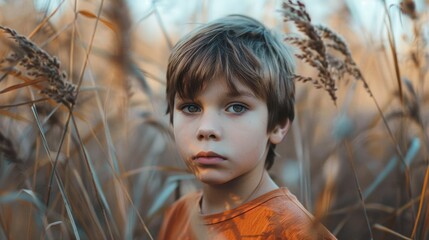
(208,158)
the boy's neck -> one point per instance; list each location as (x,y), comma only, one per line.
(219,198)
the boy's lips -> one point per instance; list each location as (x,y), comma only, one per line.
(208,158)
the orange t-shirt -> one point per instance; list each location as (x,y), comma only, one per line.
(274,215)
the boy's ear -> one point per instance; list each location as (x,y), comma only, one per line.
(279,132)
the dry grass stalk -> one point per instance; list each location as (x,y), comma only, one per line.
(39,66)
(120,21)
(412,106)
(7,150)
(315,50)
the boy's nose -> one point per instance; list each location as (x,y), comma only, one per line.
(207,134)
(209,128)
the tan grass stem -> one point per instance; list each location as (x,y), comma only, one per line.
(393,50)
(163,29)
(385,229)
(361,197)
(57,177)
(421,203)
(45,20)
(114,233)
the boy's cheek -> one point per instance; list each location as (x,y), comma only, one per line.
(174,119)
(179,130)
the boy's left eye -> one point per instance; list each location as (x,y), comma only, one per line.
(191,108)
(236,108)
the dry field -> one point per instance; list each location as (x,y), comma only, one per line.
(86,151)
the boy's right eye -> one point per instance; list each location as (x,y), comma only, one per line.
(190,108)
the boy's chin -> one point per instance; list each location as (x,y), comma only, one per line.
(211,179)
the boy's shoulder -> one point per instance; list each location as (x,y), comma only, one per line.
(186,203)
(178,217)
(274,214)
(279,207)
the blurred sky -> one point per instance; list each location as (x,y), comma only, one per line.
(367,17)
(369,12)
(366,14)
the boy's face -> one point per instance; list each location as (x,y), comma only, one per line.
(223,136)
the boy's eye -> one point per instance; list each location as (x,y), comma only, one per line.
(191,108)
(236,108)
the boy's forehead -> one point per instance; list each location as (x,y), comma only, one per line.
(233,88)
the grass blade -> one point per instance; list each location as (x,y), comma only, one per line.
(385,229)
(21,85)
(101,199)
(393,50)
(89,202)
(23,103)
(23,195)
(362,200)
(14,116)
(422,202)
(57,178)
(380,177)
(89,14)
(412,151)
(45,20)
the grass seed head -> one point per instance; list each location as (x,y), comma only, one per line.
(315,50)
(37,64)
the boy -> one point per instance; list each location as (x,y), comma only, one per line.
(230,98)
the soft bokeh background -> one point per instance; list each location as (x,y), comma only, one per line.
(360,165)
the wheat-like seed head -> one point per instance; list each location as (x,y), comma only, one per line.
(37,64)
(314,50)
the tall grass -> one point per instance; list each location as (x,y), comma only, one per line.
(87,153)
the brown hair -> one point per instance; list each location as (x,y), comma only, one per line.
(237,48)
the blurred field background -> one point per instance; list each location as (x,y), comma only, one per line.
(102,164)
